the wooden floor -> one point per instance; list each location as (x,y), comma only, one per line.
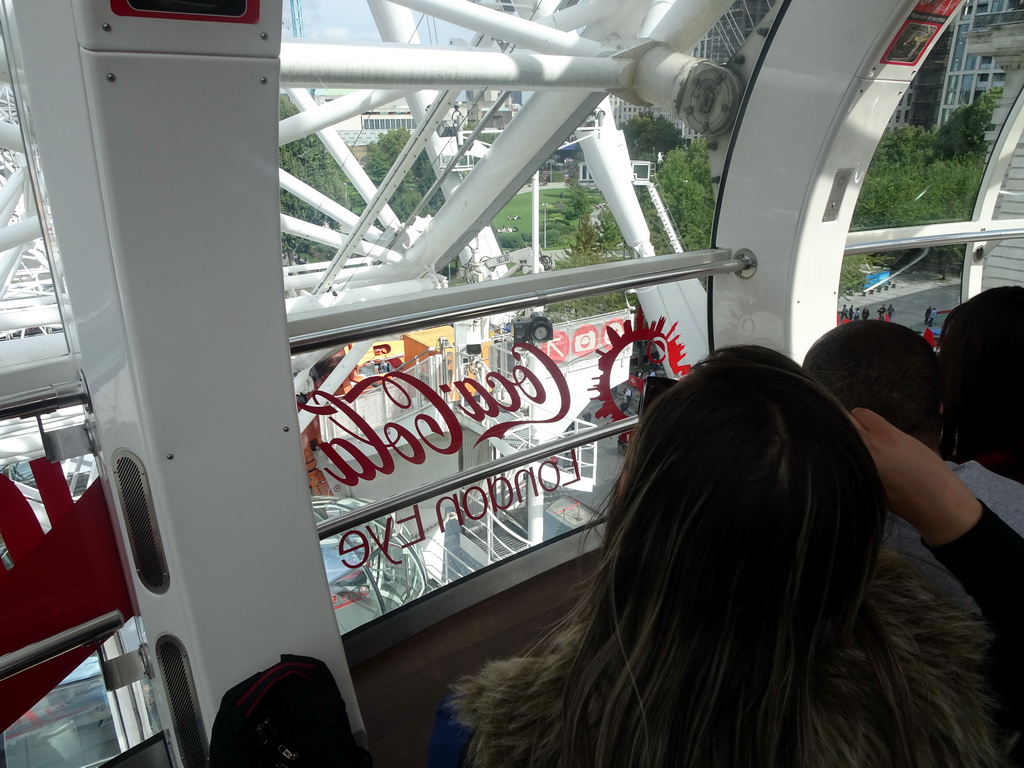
(398,690)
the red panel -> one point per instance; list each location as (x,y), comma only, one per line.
(251,15)
(18,524)
(53,489)
(71,575)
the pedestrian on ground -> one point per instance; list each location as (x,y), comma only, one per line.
(931,317)
(865,313)
(928,314)
(892,312)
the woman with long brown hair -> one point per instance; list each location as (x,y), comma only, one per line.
(742,613)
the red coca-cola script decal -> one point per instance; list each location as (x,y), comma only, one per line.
(663,346)
(363,453)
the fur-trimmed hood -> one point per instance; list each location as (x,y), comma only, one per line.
(514,706)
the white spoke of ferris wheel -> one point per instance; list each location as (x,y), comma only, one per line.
(684,22)
(322,203)
(293,226)
(608,160)
(516,153)
(26,317)
(20,233)
(396,25)
(344,158)
(416,66)
(504,26)
(401,167)
(335,111)
(371,277)
(10,137)
(9,262)
(576,16)
(10,195)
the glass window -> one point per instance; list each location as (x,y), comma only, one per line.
(997,6)
(426,404)
(956,61)
(966,89)
(986,62)
(972,62)
(951,87)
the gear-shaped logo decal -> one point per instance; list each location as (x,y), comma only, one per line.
(662,347)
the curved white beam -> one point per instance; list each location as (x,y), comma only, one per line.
(504,26)
(20,233)
(579,15)
(683,23)
(10,195)
(335,111)
(293,226)
(397,25)
(310,65)
(10,137)
(321,202)
(344,158)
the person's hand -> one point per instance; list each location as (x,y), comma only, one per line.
(920,487)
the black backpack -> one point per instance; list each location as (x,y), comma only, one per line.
(289,716)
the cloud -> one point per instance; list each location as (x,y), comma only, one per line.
(337,34)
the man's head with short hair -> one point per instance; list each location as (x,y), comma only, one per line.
(885,367)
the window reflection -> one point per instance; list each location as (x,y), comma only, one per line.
(966,84)
(951,88)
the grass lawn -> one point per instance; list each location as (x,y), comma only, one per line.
(522,205)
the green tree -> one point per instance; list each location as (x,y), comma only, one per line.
(579,202)
(923,177)
(855,268)
(963,134)
(684,181)
(648,136)
(308,160)
(609,236)
(659,237)
(585,251)
(381,155)
(905,145)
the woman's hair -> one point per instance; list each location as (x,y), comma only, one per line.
(740,543)
(981,360)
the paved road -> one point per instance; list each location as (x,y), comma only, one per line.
(910,298)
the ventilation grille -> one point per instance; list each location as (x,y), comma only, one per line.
(188,728)
(136,501)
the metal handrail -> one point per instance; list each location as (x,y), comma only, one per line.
(415,495)
(957,238)
(89,633)
(364,322)
(36,402)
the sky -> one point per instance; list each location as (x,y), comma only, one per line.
(351,21)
